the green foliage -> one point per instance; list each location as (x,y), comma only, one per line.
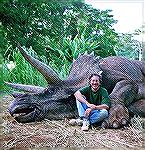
(128,47)
(20,71)
(58,31)
(61,57)
(29,23)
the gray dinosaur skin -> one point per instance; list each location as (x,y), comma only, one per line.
(124,79)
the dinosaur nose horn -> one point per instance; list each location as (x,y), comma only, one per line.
(28,88)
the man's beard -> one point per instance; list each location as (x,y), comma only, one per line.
(97,86)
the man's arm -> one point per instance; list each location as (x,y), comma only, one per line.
(80,97)
(105,103)
(102,106)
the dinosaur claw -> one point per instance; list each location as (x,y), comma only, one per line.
(115,125)
(105,125)
(124,122)
(119,116)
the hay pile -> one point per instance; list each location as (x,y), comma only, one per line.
(59,134)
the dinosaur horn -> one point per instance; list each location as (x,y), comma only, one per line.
(50,76)
(92,53)
(28,88)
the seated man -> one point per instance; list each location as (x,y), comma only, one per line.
(92,102)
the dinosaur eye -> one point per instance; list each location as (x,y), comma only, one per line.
(50,91)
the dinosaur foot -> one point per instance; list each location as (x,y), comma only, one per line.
(118,117)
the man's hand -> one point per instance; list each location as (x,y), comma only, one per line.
(98,107)
(87,112)
(92,106)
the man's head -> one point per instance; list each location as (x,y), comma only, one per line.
(95,81)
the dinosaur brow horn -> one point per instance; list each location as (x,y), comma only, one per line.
(50,76)
(28,88)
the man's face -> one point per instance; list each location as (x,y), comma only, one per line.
(95,83)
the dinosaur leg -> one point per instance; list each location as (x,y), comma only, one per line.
(137,108)
(122,95)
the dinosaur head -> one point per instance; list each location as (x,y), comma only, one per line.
(23,109)
(53,103)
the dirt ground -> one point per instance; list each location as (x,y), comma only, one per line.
(60,135)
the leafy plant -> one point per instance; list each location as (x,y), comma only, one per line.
(30,23)
(127,46)
(20,71)
(17,69)
(57,32)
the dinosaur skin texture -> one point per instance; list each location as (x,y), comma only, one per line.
(124,79)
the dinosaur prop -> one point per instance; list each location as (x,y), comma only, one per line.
(124,79)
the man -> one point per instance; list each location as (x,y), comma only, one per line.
(92,103)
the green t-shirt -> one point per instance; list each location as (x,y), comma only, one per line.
(99,97)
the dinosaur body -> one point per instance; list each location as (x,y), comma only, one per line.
(124,79)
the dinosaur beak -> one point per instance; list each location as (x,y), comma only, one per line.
(23,112)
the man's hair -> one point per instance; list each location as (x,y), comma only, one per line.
(95,74)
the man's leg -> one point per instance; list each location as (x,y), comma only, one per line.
(81,108)
(98,115)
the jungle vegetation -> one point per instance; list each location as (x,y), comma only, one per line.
(56,32)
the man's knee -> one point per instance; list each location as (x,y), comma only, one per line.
(98,115)
(104,113)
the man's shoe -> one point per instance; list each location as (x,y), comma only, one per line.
(86,125)
(74,122)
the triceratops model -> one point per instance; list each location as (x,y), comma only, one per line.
(124,79)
